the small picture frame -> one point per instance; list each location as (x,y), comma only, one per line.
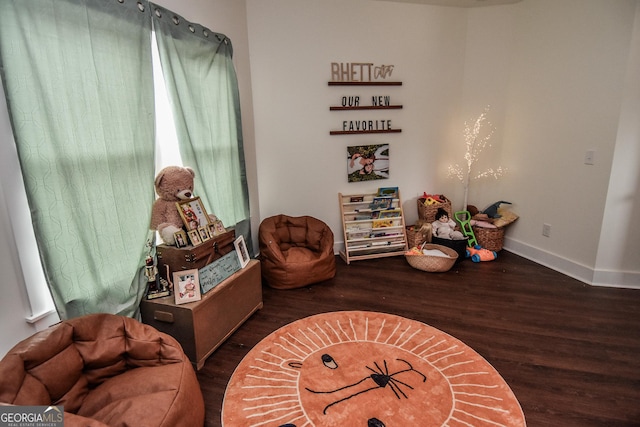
(204,233)
(241,250)
(180,238)
(186,286)
(356,199)
(217,228)
(194,236)
(193,213)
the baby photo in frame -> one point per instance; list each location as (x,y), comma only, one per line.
(194,236)
(181,239)
(217,228)
(367,162)
(241,250)
(204,233)
(193,213)
(186,286)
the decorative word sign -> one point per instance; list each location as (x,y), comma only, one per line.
(366,125)
(363,74)
(359,71)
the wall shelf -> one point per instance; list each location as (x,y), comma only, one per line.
(365,83)
(354,132)
(366,107)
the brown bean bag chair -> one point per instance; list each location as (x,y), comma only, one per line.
(296,251)
(106,370)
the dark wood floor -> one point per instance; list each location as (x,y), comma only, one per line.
(569,351)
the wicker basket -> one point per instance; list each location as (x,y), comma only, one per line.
(490,238)
(428,212)
(433,264)
(418,234)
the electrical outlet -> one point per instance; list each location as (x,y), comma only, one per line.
(590,157)
(546,230)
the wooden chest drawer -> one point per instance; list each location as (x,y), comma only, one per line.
(201,326)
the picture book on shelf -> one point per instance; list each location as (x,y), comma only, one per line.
(391,213)
(381,203)
(381,223)
(388,192)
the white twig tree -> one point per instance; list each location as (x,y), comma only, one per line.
(476,139)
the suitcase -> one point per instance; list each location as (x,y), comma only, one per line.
(190,257)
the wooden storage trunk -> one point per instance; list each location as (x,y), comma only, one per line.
(201,326)
(194,257)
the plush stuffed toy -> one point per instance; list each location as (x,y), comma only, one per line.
(173,183)
(444,228)
(492,210)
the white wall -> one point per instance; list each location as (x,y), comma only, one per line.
(553,72)
(618,253)
(301,167)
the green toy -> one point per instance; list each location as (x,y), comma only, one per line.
(464,219)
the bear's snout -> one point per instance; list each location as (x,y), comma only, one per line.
(184,194)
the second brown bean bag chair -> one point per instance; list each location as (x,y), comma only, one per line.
(296,251)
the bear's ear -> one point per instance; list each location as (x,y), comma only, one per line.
(159,179)
(193,174)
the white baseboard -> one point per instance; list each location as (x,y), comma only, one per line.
(586,274)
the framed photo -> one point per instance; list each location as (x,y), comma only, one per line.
(216,228)
(194,236)
(356,199)
(181,239)
(193,213)
(204,233)
(186,286)
(241,250)
(367,162)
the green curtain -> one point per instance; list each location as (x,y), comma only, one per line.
(203,93)
(79,88)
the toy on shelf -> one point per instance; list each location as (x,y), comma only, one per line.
(477,253)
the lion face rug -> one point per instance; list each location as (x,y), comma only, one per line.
(357,368)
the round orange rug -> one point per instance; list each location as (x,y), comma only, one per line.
(366,369)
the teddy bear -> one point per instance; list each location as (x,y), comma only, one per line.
(173,183)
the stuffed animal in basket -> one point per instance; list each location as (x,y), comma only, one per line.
(173,183)
(477,253)
(444,227)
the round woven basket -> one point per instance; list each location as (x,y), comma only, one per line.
(433,264)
